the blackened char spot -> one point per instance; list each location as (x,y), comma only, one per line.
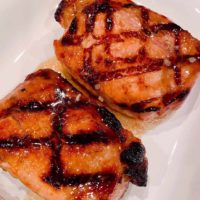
(73,27)
(136,163)
(138,173)
(71,40)
(134,154)
(176,96)
(112,122)
(85,138)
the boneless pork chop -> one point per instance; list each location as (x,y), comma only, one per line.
(139,62)
(65,146)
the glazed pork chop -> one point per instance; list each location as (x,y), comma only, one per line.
(64,145)
(137,61)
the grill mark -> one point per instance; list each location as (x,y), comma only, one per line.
(73,27)
(112,122)
(176,68)
(155,65)
(92,10)
(166,27)
(33,106)
(177,74)
(109,21)
(139,108)
(39,73)
(129,5)
(108,39)
(16,142)
(55,174)
(167,99)
(71,40)
(87,71)
(176,96)
(86,138)
(142,106)
(134,34)
(59,10)
(185,58)
(97,180)
(145,15)
(145,20)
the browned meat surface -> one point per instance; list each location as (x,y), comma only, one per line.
(138,61)
(65,146)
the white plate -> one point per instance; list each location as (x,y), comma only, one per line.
(27,31)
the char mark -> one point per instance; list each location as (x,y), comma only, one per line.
(88,72)
(138,173)
(43,73)
(145,15)
(166,27)
(59,11)
(134,158)
(112,122)
(56,170)
(134,154)
(139,108)
(135,34)
(70,40)
(92,10)
(85,138)
(154,65)
(16,142)
(129,5)
(109,22)
(33,106)
(98,180)
(174,97)
(177,74)
(142,106)
(73,27)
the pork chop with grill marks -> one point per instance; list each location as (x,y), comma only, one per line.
(64,145)
(138,61)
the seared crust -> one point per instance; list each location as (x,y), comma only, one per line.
(63,145)
(120,46)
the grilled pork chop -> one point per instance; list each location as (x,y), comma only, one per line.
(65,146)
(139,62)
